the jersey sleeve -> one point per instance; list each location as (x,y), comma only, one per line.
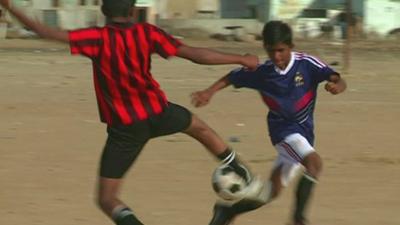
(242,77)
(85,42)
(320,71)
(162,43)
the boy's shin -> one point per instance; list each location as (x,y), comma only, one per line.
(303,195)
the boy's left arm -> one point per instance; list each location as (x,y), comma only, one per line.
(202,98)
(335,84)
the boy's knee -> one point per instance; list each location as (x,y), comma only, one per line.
(102,202)
(313,164)
(105,202)
(276,185)
(197,126)
(275,193)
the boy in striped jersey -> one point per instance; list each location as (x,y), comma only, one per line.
(130,100)
(288,85)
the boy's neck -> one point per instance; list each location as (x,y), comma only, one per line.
(282,69)
(120,20)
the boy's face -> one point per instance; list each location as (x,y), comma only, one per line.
(280,54)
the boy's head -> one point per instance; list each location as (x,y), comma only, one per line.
(117,8)
(278,42)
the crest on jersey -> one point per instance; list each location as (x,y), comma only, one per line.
(298,79)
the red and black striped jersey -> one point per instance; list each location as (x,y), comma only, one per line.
(126,91)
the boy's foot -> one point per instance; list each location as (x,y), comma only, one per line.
(224,214)
(254,196)
(299,223)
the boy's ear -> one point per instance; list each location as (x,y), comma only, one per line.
(104,10)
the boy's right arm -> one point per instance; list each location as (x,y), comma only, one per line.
(335,84)
(202,98)
(41,29)
(212,57)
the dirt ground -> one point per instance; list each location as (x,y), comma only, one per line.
(51,139)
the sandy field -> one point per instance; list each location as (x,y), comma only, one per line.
(51,139)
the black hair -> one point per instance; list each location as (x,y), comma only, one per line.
(116,8)
(276,32)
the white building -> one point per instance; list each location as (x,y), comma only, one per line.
(73,14)
(213,16)
(381,16)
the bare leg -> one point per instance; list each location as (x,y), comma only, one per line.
(313,164)
(200,131)
(111,205)
(276,183)
(108,190)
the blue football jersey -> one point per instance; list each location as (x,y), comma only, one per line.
(290,94)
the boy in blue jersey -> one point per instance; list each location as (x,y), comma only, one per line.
(130,100)
(288,85)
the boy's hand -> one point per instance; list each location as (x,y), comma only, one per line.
(5,3)
(250,61)
(335,85)
(201,98)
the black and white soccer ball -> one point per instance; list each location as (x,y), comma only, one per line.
(227,184)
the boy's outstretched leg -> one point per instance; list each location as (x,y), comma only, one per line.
(224,214)
(313,164)
(200,131)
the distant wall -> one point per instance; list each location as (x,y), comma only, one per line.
(185,9)
(381,16)
(74,14)
(213,26)
(286,10)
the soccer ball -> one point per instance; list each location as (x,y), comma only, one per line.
(227,184)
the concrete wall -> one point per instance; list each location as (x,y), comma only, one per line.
(208,5)
(287,10)
(235,9)
(263,10)
(78,18)
(185,9)
(381,16)
(169,9)
(213,26)
(71,14)
(357,5)
(3,25)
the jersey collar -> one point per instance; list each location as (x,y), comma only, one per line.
(120,25)
(289,66)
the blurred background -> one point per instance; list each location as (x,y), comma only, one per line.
(237,19)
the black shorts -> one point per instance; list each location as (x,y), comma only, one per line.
(124,143)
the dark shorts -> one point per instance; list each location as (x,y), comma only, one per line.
(124,143)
